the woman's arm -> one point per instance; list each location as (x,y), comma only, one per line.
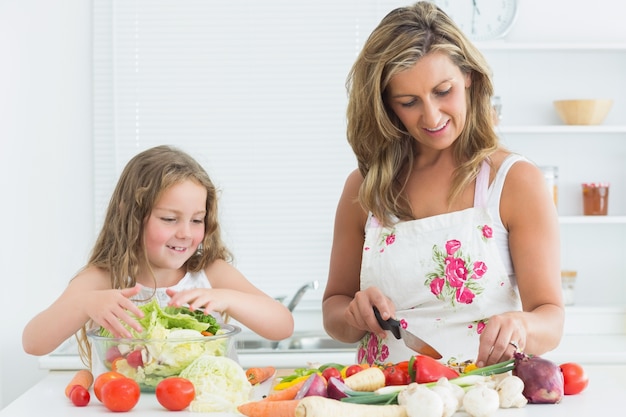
(347,311)
(529,214)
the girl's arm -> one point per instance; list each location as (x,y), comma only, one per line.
(231,293)
(528,212)
(87,296)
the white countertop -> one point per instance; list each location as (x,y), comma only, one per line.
(584,349)
(603,397)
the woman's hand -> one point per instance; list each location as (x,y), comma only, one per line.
(112,308)
(502,336)
(360,311)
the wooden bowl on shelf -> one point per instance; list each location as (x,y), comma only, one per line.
(583,112)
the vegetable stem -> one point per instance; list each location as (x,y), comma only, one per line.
(496,368)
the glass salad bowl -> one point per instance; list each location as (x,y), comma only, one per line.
(148,361)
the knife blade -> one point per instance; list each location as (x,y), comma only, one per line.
(410,340)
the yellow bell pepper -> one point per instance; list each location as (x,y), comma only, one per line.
(287,384)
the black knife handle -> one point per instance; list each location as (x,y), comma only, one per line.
(390,324)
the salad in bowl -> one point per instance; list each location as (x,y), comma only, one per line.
(172,338)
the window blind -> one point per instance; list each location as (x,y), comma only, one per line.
(255,91)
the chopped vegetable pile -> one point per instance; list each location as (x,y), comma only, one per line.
(431,389)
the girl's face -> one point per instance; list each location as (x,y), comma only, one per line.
(175,227)
(430,100)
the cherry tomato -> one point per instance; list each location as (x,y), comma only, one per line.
(134,359)
(575,379)
(395,376)
(102,379)
(353,369)
(175,393)
(330,371)
(112,353)
(120,394)
(79,396)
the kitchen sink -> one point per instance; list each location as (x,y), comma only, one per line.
(317,343)
(294,343)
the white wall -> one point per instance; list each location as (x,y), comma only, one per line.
(45,147)
(45,163)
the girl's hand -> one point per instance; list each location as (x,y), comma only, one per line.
(360,311)
(502,336)
(206,299)
(111,308)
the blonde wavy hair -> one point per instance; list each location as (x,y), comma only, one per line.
(119,248)
(384,149)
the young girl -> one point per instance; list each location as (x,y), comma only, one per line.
(160,239)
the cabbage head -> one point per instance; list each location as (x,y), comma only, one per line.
(220,382)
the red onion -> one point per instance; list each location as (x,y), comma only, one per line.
(336,388)
(314,385)
(543,379)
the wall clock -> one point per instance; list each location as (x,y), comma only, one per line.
(481,20)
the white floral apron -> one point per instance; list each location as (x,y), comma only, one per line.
(444,274)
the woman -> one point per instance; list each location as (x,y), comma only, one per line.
(440,226)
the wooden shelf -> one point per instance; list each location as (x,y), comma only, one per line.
(592,219)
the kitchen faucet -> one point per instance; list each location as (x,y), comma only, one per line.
(298,296)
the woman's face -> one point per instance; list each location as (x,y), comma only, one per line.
(430,100)
(175,227)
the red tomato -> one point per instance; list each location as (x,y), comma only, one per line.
(575,379)
(102,379)
(79,396)
(403,366)
(134,359)
(175,393)
(113,353)
(120,394)
(353,369)
(396,376)
(330,371)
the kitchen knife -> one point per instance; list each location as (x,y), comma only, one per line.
(409,339)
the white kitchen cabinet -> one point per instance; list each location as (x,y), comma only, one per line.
(529,77)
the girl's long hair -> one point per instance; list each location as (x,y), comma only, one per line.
(384,149)
(119,248)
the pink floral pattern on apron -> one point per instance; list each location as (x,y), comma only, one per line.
(445,276)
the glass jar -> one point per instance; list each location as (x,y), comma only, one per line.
(551,175)
(595,198)
(568,283)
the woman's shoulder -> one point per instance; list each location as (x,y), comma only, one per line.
(354,179)
(506,159)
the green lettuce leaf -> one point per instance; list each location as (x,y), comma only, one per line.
(157,319)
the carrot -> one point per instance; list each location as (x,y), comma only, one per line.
(369,379)
(316,406)
(83,377)
(263,408)
(259,375)
(285,394)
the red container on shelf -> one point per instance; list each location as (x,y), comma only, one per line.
(595,198)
